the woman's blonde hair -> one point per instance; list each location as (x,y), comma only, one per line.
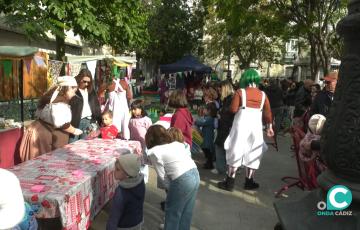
(226,89)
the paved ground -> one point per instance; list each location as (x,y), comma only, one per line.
(220,210)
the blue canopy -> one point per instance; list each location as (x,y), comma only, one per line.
(187,63)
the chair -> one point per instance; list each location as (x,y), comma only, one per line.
(297,135)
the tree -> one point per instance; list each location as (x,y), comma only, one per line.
(246,28)
(174,30)
(315,21)
(118,23)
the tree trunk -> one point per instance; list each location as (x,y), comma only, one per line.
(314,64)
(60,51)
(326,60)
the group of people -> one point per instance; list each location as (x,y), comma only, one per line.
(231,123)
(305,105)
(68,111)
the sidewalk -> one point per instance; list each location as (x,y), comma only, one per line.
(221,210)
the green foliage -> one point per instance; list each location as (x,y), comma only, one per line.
(316,22)
(119,23)
(247,28)
(174,30)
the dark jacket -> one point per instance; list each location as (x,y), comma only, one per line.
(302,101)
(77,103)
(275,95)
(290,97)
(225,122)
(127,207)
(322,103)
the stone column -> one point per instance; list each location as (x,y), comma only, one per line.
(340,143)
(340,140)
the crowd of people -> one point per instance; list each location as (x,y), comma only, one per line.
(232,123)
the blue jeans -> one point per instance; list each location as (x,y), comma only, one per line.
(220,163)
(84,124)
(180,201)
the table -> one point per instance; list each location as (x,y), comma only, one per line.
(73,182)
(9,147)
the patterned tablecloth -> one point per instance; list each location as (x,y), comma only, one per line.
(73,182)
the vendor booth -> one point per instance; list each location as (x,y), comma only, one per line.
(187,63)
(23,75)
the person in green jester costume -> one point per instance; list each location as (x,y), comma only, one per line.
(245,144)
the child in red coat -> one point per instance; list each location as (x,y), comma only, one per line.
(108,131)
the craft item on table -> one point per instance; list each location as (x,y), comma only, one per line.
(37,188)
(78,173)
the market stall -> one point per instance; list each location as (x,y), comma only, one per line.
(23,75)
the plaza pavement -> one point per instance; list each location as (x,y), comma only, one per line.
(221,210)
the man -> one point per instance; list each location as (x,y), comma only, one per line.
(303,98)
(323,100)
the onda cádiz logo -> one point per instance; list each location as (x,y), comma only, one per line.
(338,198)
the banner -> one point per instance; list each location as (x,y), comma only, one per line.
(39,61)
(7,67)
(28,62)
(91,65)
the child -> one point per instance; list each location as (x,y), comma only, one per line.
(173,164)
(128,201)
(164,119)
(312,165)
(139,122)
(138,125)
(14,212)
(207,126)
(316,124)
(108,131)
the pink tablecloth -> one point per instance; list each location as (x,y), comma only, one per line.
(73,182)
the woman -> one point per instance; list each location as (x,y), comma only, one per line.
(245,143)
(85,105)
(175,168)
(119,95)
(225,123)
(52,128)
(182,117)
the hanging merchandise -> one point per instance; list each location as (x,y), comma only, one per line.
(39,61)
(7,67)
(54,70)
(74,69)
(91,65)
(129,71)
(28,62)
